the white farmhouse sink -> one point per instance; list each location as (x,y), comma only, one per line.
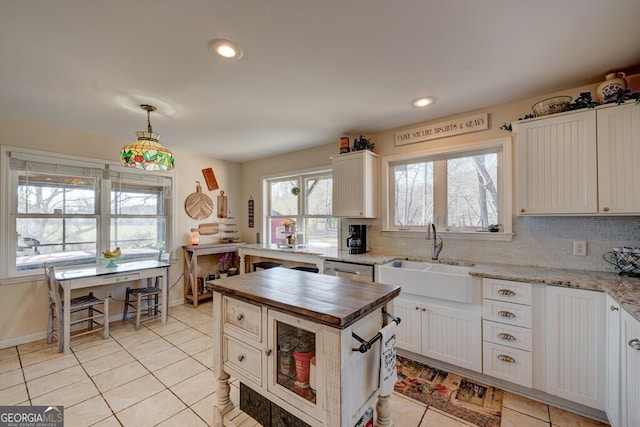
(448,282)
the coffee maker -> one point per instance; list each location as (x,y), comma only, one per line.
(357,240)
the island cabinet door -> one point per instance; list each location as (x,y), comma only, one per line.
(296,366)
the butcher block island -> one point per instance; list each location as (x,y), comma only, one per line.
(289,337)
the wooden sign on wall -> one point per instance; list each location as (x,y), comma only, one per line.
(444,129)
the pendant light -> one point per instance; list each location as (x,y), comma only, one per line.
(147,153)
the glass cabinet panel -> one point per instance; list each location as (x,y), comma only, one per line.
(296,360)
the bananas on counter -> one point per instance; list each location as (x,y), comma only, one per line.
(112,253)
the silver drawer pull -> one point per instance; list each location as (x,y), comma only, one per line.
(240,316)
(506,337)
(240,358)
(508,314)
(506,358)
(635,344)
(506,292)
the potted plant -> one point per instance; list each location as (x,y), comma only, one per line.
(287,226)
(363,143)
(222,261)
(494,227)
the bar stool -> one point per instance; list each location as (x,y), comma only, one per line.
(146,298)
(265,265)
(308,269)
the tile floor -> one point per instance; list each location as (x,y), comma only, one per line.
(160,375)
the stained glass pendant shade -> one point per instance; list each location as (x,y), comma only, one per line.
(147,153)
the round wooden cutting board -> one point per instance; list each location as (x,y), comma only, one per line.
(198,205)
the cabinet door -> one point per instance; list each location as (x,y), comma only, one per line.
(557,164)
(618,159)
(612,396)
(630,370)
(575,345)
(452,336)
(409,330)
(355,177)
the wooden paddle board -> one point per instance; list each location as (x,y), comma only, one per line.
(207,229)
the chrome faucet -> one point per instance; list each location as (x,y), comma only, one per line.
(437,243)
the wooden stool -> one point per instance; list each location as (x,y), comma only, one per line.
(265,265)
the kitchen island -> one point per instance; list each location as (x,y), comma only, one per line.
(267,324)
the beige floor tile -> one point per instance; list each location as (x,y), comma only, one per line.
(406,412)
(14,395)
(197,345)
(108,422)
(184,336)
(11,378)
(142,336)
(97,351)
(152,346)
(204,408)
(205,357)
(526,406)
(47,367)
(46,353)
(196,388)
(179,371)
(8,353)
(87,341)
(206,328)
(69,395)
(30,347)
(107,362)
(185,418)
(133,392)
(56,380)
(511,418)
(151,411)
(87,413)
(562,418)
(172,326)
(119,376)
(434,417)
(155,361)
(9,364)
(119,330)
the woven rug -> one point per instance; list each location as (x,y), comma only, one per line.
(469,400)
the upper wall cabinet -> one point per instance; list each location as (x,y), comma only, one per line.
(557,165)
(355,184)
(580,162)
(619,159)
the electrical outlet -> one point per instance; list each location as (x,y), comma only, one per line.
(580,248)
(110,294)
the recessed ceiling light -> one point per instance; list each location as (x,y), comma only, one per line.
(225,49)
(422,102)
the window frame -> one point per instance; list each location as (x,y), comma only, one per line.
(300,176)
(505,194)
(109,173)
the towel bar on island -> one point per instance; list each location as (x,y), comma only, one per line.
(366,345)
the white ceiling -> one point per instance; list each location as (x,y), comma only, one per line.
(312,71)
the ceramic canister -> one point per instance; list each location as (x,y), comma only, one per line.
(608,90)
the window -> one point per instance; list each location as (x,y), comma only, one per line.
(305,200)
(66,211)
(460,191)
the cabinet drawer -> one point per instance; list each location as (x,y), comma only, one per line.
(242,317)
(242,358)
(507,363)
(508,335)
(506,290)
(505,312)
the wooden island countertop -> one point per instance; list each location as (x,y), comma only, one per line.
(330,300)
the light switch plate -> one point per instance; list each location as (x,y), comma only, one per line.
(580,248)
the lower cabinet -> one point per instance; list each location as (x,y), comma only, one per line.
(630,372)
(453,336)
(575,355)
(612,359)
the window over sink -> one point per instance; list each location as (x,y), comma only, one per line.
(462,190)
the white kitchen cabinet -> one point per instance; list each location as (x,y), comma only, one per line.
(612,358)
(557,164)
(575,354)
(453,336)
(618,159)
(630,375)
(355,184)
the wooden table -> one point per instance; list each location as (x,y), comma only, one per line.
(100,276)
(249,313)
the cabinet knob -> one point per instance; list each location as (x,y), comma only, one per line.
(240,316)
(635,344)
(417,308)
(506,337)
(268,352)
(506,358)
(606,209)
(506,314)
(424,309)
(506,292)
(614,308)
(240,358)
(521,210)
